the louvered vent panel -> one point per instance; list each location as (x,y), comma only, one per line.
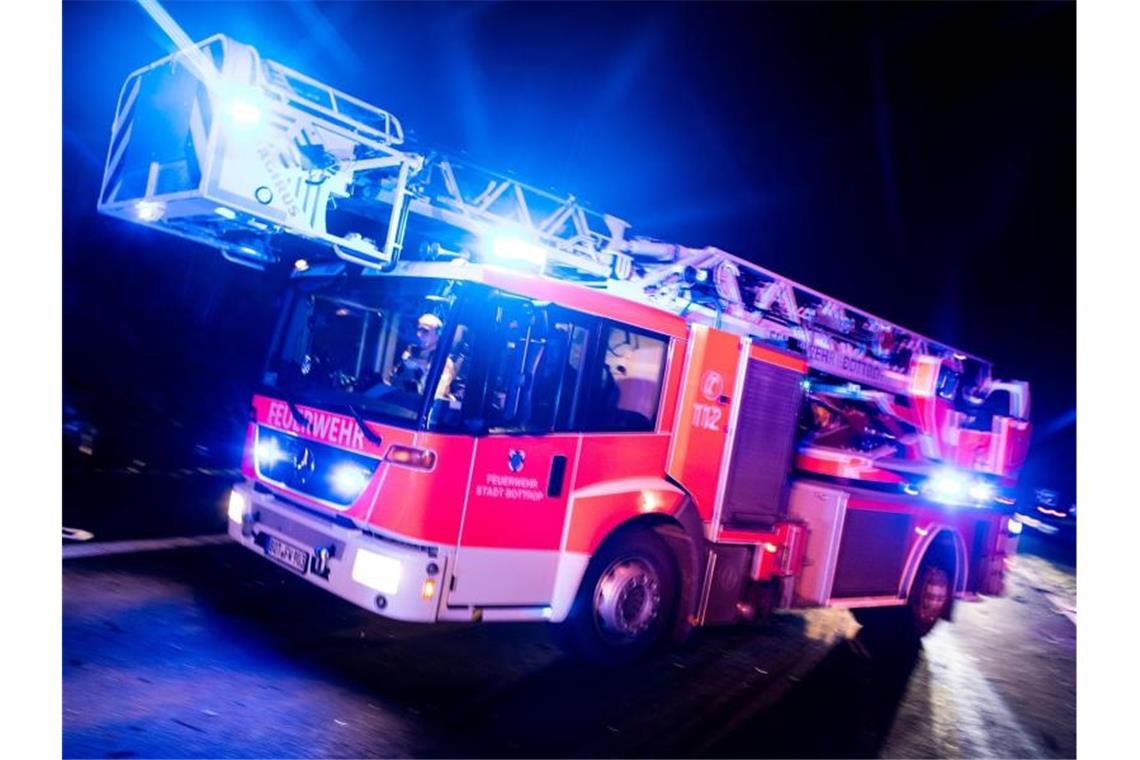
(762,453)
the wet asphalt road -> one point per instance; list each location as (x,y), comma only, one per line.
(213,652)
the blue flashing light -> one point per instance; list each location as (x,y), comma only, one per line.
(269,453)
(244,107)
(981,491)
(947,485)
(348,480)
(956,487)
(243,111)
(513,248)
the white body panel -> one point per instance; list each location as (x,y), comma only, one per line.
(498,584)
(823,510)
(407,603)
(505,577)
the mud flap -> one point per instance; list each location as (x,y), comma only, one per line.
(687,542)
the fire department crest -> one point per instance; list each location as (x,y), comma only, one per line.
(712,385)
(515,459)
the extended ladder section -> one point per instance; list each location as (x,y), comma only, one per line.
(217,145)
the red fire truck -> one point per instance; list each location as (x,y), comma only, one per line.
(484,402)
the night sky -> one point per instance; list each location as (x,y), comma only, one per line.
(915,160)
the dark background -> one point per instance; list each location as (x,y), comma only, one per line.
(916,160)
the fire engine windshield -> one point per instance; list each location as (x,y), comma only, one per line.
(373,343)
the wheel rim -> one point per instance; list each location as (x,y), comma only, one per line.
(932,599)
(627,599)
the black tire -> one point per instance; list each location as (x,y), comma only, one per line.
(929,597)
(626,603)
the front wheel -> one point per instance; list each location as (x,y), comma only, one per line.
(627,600)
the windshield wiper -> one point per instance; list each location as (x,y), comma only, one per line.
(298,416)
(368,432)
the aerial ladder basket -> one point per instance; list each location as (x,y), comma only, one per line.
(214,144)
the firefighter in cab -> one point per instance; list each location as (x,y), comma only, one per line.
(415,362)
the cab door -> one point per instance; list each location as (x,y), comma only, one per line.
(522,468)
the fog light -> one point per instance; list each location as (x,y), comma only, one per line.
(376,571)
(237,506)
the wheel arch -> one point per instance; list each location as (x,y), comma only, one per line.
(944,545)
(682,531)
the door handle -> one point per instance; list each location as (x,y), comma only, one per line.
(557,474)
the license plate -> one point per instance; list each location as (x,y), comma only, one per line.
(287,554)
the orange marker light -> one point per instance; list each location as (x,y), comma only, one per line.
(428,591)
(409,456)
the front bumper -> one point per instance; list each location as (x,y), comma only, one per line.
(333,551)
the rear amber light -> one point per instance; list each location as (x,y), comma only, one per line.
(421,459)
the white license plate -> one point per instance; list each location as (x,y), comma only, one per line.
(287,554)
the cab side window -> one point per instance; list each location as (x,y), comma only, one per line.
(558,387)
(516,366)
(623,382)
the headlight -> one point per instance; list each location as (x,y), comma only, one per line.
(237,506)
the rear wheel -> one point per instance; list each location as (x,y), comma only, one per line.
(929,598)
(626,602)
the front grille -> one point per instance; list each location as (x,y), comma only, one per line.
(315,469)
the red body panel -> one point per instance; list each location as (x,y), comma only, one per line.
(701,432)
(616,456)
(596,517)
